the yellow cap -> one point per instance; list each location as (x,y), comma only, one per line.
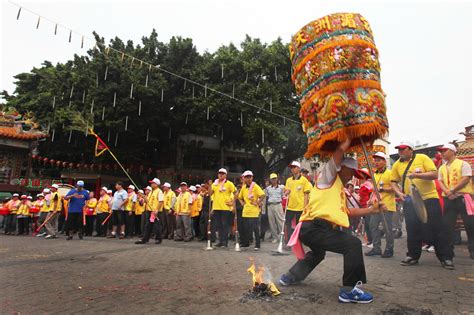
(273,175)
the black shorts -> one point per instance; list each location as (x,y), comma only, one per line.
(118,217)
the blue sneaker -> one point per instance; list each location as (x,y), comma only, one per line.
(287,279)
(356,295)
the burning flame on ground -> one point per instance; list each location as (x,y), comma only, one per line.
(257,279)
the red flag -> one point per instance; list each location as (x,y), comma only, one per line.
(100,146)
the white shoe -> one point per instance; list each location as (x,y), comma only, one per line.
(256,249)
(425,247)
(368,245)
(50,236)
(40,235)
(431,249)
(274,241)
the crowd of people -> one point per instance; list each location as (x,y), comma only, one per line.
(326,213)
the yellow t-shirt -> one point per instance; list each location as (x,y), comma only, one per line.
(327,204)
(455,170)
(46,207)
(154,200)
(55,199)
(103,204)
(183,206)
(24,209)
(194,206)
(168,199)
(13,206)
(250,210)
(297,187)
(422,163)
(221,198)
(388,198)
(92,204)
(139,209)
(129,206)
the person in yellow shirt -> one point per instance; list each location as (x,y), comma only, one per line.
(319,228)
(10,221)
(44,211)
(38,204)
(455,181)
(90,212)
(129,211)
(222,197)
(297,189)
(23,216)
(103,210)
(139,210)
(183,214)
(195,210)
(419,170)
(169,217)
(251,197)
(55,207)
(383,178)
(154,201)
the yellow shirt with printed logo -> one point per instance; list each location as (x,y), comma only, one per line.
(421,163)
(183,205)
(154,198)
(250,210)
(222,198)
(297,187)
(168,202)
(103,205)
(383,179)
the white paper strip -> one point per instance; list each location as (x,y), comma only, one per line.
(115,97)
(139,108)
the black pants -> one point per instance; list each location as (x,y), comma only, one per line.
(290,214)
(89,225)
(170,224)
(416,230)
(138,225)
(320,236)
(250,225)
(151,226)
(196,228)
(453,208)
(10,224)
(23,226)
(164,223)
(129,223)
(221,218)
(74,223)
(100,229)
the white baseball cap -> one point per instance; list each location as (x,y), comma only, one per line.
(80,183)
(295,163)
(109,191)
(183,184)
(167,185)
(105,189)
(356,187)
(147,188)
(131,187)
(39,195)
(198,186)
(222,170)
(352,164)
(380,155)
(404,145)
(29,197)
(140,191)
(46,190)
(17,195)
(155,180)
(247,173)
(55,186)
(192,188)
(448,146)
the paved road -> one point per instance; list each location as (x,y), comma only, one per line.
(101,276)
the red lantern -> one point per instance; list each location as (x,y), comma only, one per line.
(58,163)
(64,164)
(71,165)
(33,156)
(52,161)
(45,160)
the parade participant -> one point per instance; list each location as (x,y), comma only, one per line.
(275,193)
(195,211)
(318,230)
(222,193)
(77,198)
(251,198)
(23,215)
(455,181)
(297,189)
(365,192)
(170,217)
(183,212)
(44,211)
(382,180)
(38,204)
(130,211)
(204,220)
(147,190)
(238,208)
(154,200)
(90,213)
(10,221)
(197,225)
(352,202)
(419,170)
(139,210)
(118,214)
(55,210)
(103,211)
